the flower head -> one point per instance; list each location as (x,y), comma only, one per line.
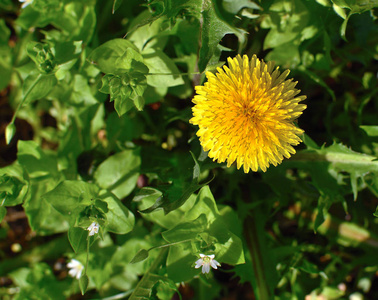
(76,268)
(246,113)
(93,228)
(206,261)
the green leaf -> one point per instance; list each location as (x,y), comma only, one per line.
(3,212)
(37,162)
(107,55)
(4,33)
(213,30)
(140,256)
(234,6)
(284,26)
(145,285)
(158,62)
(13,186)
(116,5)
(370,130)
(78,239)
(376,212)
(120,219)
(81,93)
(83,283)
(37,86)
(119,173)
(70,196)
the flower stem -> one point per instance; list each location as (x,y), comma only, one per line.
(26,95)
(252,228)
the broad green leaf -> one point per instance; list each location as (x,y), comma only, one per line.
(81,93)
(106,56)
(180,263)
(186,230)
(371,130)
(78,239)
(148,196)
(119,173)
(285,23)
(37,162)
(37,86)
(70,196)
(120,219)
(176,194)
(159,63)
(38,282)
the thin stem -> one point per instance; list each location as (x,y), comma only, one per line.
(86,263)
(26,95)
(175,74)
(167,245)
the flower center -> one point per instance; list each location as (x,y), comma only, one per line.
(206,260)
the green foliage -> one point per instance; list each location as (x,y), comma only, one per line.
(99,163)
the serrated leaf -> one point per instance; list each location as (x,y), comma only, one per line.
(213,30)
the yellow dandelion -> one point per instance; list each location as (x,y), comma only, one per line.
(246,113)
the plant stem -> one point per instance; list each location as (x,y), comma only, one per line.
(26,95)
(251,229)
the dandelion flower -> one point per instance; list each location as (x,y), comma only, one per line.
(76,268)
(246,113)
(93,228)
(205,262)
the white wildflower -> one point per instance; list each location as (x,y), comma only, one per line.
(206,261)
(76,268)
(93,228)
(25,3)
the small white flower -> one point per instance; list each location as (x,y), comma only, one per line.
(25,3)
(76,268)
(93,228)
(206,261)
